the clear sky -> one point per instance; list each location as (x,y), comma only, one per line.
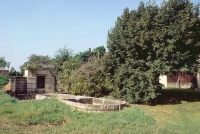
(43,26)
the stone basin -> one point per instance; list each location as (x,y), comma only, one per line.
(90,104)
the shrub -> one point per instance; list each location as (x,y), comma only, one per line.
(3,80)
(89,79)
(63,76)
(135,86)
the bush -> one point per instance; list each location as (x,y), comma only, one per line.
(135,86)
(3,80)
(89,79)
(63,76)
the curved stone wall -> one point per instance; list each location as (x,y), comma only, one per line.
(88,103)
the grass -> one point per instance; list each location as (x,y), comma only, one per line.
(181,116)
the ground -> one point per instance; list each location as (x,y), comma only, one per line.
(176,113)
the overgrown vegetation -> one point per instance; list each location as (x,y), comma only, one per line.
(89,79)
(86,55)
(64,74)
(13,72)
(150,41)
(52,112)
(34,62)
(83,74)
(52,116)
(47,111)
(4,63)
(3,80)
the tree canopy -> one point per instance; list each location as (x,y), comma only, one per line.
(150,41)
(96,52)
(4,63)
(36,61)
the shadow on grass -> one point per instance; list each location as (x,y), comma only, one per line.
(175,96)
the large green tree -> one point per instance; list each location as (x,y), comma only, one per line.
(150,41)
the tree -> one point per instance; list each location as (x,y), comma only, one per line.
(148,42)
(99,51)
(13,72)
(3,62)
(96,52)
(36,61)
(61,55)
(177,38)
(84,56)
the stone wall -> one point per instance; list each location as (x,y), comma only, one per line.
(31,84)
(28,85)
(18,85)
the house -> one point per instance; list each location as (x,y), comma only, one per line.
(180,80)
(40,80)
(4,72)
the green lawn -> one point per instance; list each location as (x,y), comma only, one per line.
(52,116)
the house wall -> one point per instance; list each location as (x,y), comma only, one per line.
(18,85)
(198,80)
(163,80)
(31,84)
(32,81)
(4,72)
(179,80)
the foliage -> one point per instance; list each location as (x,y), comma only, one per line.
(177,38)
(151,41)
(67,71)
(3,80)
(89,79)
(63,76)
(36,61)
(20,117)
(3,63)
(61,55)
(47,111)
(22,67)
(137,87)
(85,56)
(99,51)
(53,116)
(13,72)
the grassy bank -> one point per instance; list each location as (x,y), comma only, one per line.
(52,116)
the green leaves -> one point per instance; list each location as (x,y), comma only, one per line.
(3,80)
(89,79)
(3,63)
(150,41)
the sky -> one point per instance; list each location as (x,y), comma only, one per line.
(43,26)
